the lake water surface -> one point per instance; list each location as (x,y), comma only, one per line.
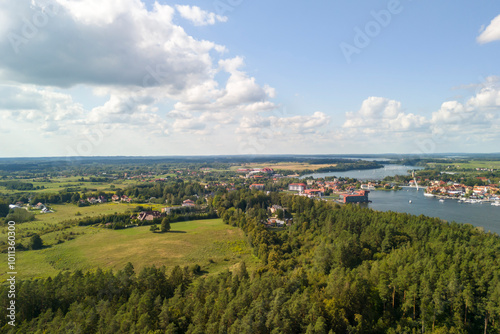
(485,215)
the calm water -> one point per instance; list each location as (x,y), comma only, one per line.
(485,215)
(369,174)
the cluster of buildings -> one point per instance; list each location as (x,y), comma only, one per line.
(317,189)
(486,169)
(303,190)
(370,186)
(39,206)
(148,215)
(275,221)
(257,186)
(103,199)
(96,200)
(18,205)
(123,198)
(336,186)
(228,186)
(458,190)
(152,215)
(259,173)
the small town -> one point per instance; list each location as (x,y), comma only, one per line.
(466,194)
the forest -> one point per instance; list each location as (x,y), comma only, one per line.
(337,269)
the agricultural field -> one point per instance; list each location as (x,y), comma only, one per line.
(57,184)
(212,244)
(293,166)
(468,165)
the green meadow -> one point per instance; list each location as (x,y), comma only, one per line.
(212,244)
(63,212)
(57,184)
(473,164)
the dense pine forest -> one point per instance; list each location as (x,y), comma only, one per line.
(335,270)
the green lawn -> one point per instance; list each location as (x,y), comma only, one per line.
(209,243)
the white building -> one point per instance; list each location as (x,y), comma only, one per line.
(297,187)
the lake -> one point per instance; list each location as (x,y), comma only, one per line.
(485,215)
(368,174)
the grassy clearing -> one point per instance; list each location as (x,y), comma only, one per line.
(294,166)
(209,243)
(63,212)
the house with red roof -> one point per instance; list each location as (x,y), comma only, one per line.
(314,192)
(148,215)
(188,203)
(355,197)
(125,199)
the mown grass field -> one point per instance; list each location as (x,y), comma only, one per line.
(43,223)
(294,166)
(212,244)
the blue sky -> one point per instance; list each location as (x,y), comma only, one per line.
(248,77)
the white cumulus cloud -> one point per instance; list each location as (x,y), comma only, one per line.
(153,76)
(379,114)
(198,16)
(491,32)
(475,120)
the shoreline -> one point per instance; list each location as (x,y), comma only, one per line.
(461,199)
